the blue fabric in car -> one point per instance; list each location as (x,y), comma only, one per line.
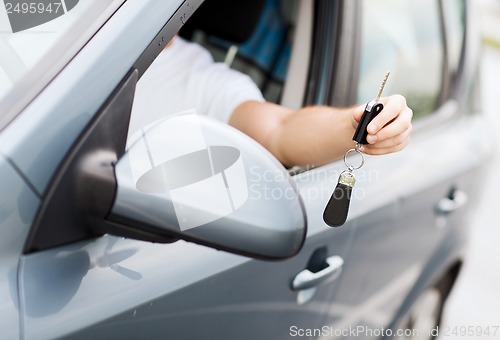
(268,46)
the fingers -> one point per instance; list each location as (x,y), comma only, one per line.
(390,131)
(393,105)
(370,150)
(395,143)
(397,127)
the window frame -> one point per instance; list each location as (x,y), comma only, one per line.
(325,61)
(454,79)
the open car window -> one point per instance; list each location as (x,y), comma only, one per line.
(184,77)
(265,55)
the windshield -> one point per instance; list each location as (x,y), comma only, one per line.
(37,39)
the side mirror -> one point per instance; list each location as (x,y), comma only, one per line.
(197,179)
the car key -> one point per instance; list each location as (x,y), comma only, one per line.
(337,209)
(372,109)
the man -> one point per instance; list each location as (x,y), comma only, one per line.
(185,76)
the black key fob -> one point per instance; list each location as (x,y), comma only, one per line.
(337,209)
(372,109)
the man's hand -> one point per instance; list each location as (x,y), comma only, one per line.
(317,135)
(390,131)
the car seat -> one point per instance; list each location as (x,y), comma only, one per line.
(254,32)
(230,20)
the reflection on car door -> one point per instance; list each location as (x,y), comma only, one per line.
(118,288)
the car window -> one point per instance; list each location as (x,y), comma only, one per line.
(38,38)
(404,37)
(265,55)
(172,85)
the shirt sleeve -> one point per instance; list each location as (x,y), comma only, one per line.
(219,90)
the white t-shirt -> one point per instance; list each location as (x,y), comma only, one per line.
(185,76)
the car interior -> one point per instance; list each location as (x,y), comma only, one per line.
(254,37)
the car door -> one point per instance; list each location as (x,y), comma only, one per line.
(108,286)
(404,230)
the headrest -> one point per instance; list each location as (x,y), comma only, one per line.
(231,20)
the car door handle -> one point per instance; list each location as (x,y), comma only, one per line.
(447,205)
(307,279)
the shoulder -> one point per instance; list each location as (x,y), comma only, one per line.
(187,52)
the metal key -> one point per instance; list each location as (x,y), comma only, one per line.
(372,109)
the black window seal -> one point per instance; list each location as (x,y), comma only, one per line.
(327,23)
(169,30)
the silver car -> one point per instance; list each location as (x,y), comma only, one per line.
(192,230)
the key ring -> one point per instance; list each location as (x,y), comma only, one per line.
(351,167)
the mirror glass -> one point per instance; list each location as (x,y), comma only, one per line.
(201,180)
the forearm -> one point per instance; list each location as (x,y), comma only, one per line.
(310,136)
(314,136)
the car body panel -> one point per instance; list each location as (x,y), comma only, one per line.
(17,209)
(227,294)
(407,233)
(398,222)
(95,280)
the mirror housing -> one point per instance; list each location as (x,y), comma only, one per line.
(190,177)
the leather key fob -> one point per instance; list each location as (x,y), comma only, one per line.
(337,209)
